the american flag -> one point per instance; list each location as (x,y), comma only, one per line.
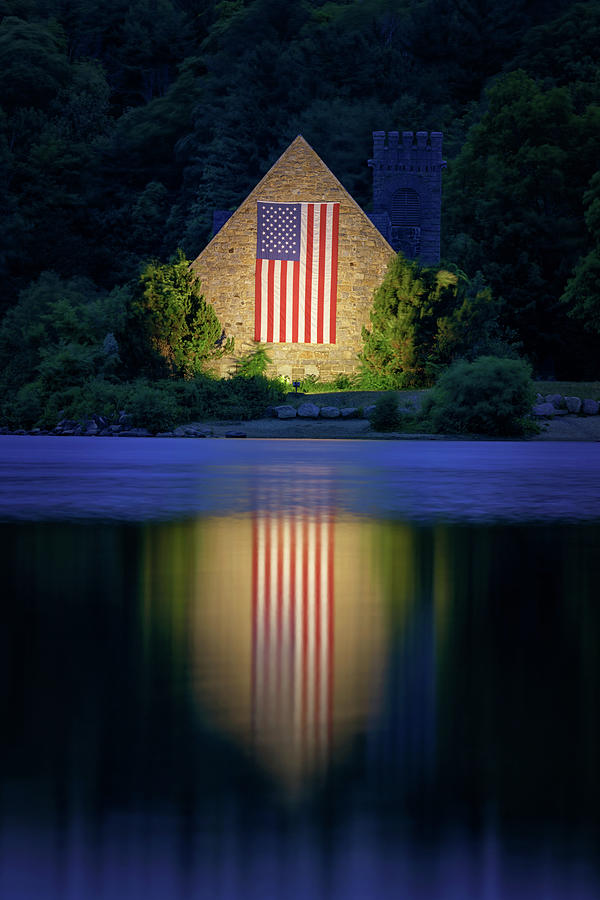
(293,632)
(296,272)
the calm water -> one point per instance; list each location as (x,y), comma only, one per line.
(286,669)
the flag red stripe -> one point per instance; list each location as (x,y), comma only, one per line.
(267,613)
(317,631)
(330,636)
(334,272)
(258,296)
(292,650)
(254,617)
(296,302)
(322,263)
(279,613)
(282,299)
(304,706)
(310,212)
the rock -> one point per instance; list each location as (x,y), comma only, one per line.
(123,418)
(168,434)
(191,430)
(308,411)
(285,412)
(115,429)
(561,412)
(543,409)
(235,434)
(135,432)
(349,412)
(557,400)
(573,404)
(368,411)
(539,398)
(590,407)
(92,428)
(330,412)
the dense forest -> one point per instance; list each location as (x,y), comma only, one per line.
(124,124)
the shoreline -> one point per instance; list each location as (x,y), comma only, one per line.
(565,429)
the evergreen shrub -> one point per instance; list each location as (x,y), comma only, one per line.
(489,396)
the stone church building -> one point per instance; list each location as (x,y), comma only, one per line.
(298,187)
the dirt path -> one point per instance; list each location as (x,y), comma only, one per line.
(565,428)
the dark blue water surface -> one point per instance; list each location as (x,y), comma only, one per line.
(299,669)
(418,481)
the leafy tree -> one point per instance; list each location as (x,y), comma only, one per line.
(181,328)
(399,349)
(514,200)
(582,294)
(62,330)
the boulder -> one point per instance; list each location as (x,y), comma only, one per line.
(135,432)
(235,434)
(557,400)
(349,412)
(590,407)
(368,411)
(543,410)
(91,427)
(308,411)
(330,412)
(285,412)
(573,404)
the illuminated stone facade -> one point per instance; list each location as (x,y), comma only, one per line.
(226,268)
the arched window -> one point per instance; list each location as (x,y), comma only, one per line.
(406,209)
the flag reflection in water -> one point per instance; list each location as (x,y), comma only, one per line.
(289,635)
(293,625)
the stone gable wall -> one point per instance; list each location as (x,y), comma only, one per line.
(226,269)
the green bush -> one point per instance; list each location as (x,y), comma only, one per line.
(488,396)
(386,416)
(152,406)
(254,363)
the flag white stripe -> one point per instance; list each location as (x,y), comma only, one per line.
(314,305)
(264,291)
(302,286)
(276,301)
(289,309)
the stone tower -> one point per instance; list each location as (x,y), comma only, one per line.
(407,192)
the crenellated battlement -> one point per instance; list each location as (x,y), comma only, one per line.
(410,151)
(407,191)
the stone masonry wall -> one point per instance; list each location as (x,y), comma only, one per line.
(226,269)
